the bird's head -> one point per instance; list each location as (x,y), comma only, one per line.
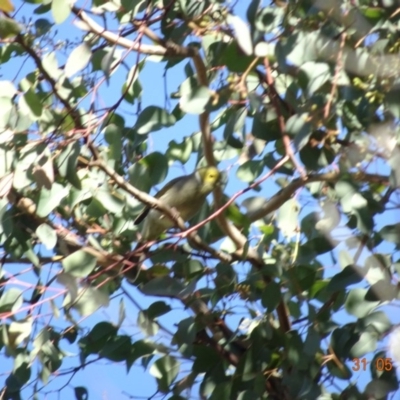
(209,177)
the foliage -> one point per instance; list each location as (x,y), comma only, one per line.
(287,291)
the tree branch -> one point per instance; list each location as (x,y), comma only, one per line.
(163,49)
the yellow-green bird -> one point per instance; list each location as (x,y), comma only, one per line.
(186,194)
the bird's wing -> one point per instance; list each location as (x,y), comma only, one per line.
(181,180)
(141,216)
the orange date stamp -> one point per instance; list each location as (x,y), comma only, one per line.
(381,364)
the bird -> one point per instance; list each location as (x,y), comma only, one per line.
(185,194)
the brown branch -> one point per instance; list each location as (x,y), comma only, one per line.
(287,192)
(281,120)
(336,77)
(166,49)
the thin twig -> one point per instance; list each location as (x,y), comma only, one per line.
(281,121)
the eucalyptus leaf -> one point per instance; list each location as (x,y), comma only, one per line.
(152,119)
(79,264)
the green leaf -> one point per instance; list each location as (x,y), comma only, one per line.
(133,5)
(250,170)
(78,59)
(42,26)
(156,165)
(21,373)
(102,57)
(97,338)
(348,276)
(42,9)
(60,10)
(109,63)
(235,125)
(299,47)
(134,90)
(50,199)
(384,368)
(147,325)
(357,305)
(79,264)
(252,11)
(113,136)
(392,100)
(188,269)
(20,330)
(226,279)
(186,332)
(9,28)
(391,233)
(266,126)
(269,19)
(341,372)
(288,218)
(152,119)
(88,300)
(43,170)
(222,391)
(234,59)
(11,300)
(31,104)
(298,127)
(379,388)
(165,370)
(113,202)
(67,162)
(6,108)
(149,171)
(315,158)
(342,339)
(163,286)
(180,151)
(271,296)
(378,320)
(194,98)
(117,348)
(312,343)
(205,357)
(366,344)
(382,291)
(7,89)
(157,309)
(81,393)
(47,235)
(50,64)
(183,384)
(317,74)
(394,163)
(140,348)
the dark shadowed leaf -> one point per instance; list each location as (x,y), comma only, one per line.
(81,393)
